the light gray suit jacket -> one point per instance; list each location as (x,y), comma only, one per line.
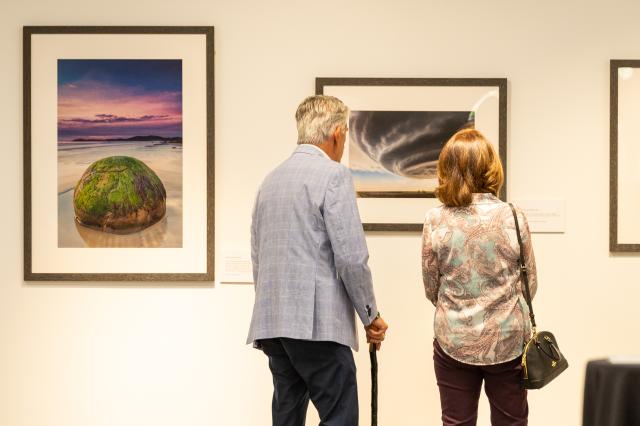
(309,253)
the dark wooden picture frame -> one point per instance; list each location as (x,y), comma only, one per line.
(28,32)
(614,244)
(500,83)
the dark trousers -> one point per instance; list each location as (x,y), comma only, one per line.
(460,386)
(322,371)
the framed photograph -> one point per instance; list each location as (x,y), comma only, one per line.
(624,191)
(397,128)
(118,153)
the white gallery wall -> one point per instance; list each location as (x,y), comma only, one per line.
(173,354)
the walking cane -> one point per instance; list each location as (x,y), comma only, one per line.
(374,384)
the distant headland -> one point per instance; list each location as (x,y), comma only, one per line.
(147,138)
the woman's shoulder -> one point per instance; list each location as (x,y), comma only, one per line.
(504,210)
(507,205)
(434,212)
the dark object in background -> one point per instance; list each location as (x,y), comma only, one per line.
(611,394)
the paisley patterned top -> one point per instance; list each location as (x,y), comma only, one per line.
(471,274)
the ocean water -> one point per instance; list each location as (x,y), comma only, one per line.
(165,159)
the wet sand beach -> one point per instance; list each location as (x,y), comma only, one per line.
(165,159)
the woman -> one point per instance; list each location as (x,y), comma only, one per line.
(471,275)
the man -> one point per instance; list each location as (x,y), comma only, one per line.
(310,271)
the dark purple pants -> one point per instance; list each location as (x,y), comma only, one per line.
(460,386)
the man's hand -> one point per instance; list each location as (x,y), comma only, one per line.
(376,332)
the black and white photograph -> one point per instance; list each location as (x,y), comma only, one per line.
(395,153)
(397,129)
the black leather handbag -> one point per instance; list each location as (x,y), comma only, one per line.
(542,360)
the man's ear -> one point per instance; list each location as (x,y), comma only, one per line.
(336,135)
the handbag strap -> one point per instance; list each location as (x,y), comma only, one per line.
(523,269)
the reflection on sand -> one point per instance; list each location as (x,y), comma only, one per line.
(152,236)
(164,158)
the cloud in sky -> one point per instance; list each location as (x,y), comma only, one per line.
(119,98)
(405,143)
(110,118)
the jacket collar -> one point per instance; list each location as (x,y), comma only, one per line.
(310,149)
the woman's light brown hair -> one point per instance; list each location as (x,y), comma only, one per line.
(468,163)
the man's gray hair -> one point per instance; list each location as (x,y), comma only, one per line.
(317,118)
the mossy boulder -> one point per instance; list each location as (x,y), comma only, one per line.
(119,194)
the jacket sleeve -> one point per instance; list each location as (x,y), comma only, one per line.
(346,235)
(430,274)
(529,257)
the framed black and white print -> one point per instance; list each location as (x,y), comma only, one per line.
(624,192)
(397,128)
(118,153)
